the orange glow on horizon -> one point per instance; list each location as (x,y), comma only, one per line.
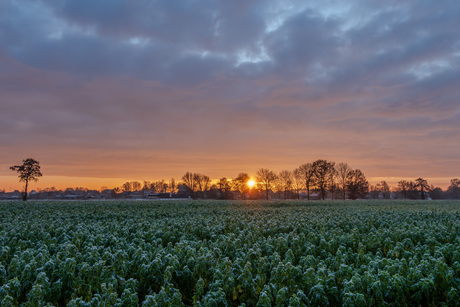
(11,183)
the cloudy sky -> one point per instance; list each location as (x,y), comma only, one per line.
(103,91)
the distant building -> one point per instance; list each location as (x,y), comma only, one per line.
(71,196)
(33,194)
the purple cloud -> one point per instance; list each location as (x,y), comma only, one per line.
(242,84)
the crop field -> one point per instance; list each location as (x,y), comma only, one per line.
(223,253)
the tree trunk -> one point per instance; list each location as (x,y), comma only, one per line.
(24,196)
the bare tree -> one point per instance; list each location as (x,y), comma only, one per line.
(206,183)
(332,182)
(322,170)
(189,181)
(357,185)
(266,178)
(306,171)
(342,173)
(136,186)
(423,185)
(224,186)
(202,182)
(131,186)
(380,190)
(172,185)
(297,182)
(285,179)
(146,185)
(403,187)
(127,187)
(197,179)
(240,183)
(454,189)
(29,170)
(116,192)
(161,186)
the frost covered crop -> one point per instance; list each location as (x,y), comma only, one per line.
(215,253)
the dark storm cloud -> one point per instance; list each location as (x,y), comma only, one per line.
(212,77)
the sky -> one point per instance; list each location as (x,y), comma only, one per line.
(100,92)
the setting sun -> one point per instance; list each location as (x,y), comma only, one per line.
(251,183)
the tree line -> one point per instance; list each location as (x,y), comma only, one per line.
(417,189)
(319,179)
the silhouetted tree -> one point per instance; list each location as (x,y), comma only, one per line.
(189,182)
(436,192)
(28,170)
(380,190)
(131,186)
(159,186)
(116,192)
(285,179)
(136,186)
(307,172)
(297,181)
(197,178)
(332,182)
(155,187)
(412,192)
(240,183)
(357,185)
(225,187)
(127,187)
(422,184)
(342,173)
(454,189)
(403,187)
(386,191)
(172,185)
(202,182)
(266,178)
(322,170)
(146,185)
